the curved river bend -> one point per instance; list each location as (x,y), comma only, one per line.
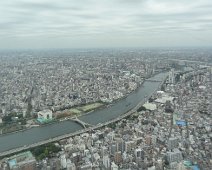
(34,135)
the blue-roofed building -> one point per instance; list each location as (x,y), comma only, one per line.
(195,167)
(181,123)
(23,161)
(44,116)
(12,163)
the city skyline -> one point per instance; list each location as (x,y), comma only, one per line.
(103,24)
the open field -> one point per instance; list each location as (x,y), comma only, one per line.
(90,107)
(75,111)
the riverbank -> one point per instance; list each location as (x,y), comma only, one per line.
(76,111)
(37,136)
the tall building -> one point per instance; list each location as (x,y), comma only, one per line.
(171,79)
(174,156)
(120,145)
(210,74)
(173,165)
(180,166)
(118,157)
(154,140)
(87,166)
(106,161)
(70,165)
(113,148)
(139,153)
(103,151)
(55,164)
(76,157)
(128,146)
(114,166)
(172,143)
(148,139)
(159,164)
(111,136)
(63,161)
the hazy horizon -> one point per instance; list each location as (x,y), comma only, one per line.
(50,24)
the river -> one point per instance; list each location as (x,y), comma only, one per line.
(37,134)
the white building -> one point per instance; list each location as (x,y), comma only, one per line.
(70,165)
(45,115)
(150,106)
(63,161)
(106,161)
(172,143)
(175,156)
(114,166)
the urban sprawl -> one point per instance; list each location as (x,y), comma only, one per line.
(172,130)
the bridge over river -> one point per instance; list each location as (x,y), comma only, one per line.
(83,124)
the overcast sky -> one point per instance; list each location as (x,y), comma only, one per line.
(104,23)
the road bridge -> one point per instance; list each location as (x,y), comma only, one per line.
(83,124)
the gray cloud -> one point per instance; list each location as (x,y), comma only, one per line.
(104,23)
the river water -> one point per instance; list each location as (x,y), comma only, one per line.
(34,135)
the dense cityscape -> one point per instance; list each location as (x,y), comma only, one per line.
(105,85)
(170,130)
